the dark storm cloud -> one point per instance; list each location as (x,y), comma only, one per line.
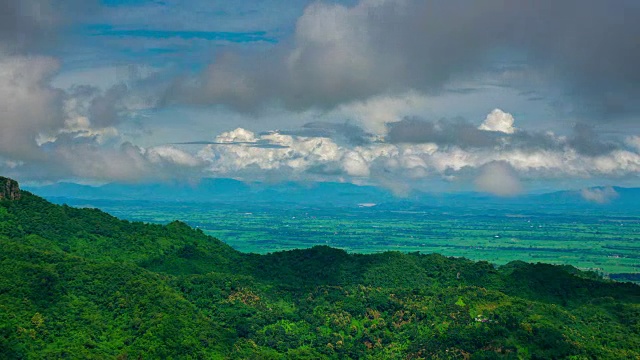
(455,132)
(586,141)
(458,132)
(589,48)
(24,23)
(533,140)
(104,109)
(352,134)
(27,26)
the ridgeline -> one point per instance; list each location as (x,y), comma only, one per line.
(79,283)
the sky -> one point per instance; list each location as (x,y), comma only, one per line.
(491,96)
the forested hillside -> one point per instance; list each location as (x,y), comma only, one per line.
(79,283)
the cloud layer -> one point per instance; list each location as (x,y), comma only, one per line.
(48,133)
(416,150)
(363,78)
(339,54)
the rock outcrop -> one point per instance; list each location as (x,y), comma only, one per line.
(9,189)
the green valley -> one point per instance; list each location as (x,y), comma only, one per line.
(597,240)
(79,283)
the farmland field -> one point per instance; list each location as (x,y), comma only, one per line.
(602,242)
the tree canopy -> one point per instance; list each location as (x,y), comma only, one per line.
(80,283)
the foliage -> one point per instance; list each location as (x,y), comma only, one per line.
(80,283)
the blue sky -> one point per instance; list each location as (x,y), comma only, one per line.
(397,93)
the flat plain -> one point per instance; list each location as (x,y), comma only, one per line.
(599,241)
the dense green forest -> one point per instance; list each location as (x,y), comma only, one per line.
(79,283)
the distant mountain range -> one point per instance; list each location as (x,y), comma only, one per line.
(335,194)
(223,190)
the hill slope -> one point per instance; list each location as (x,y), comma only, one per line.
(80,283)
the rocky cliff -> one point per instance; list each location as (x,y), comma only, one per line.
(9,189)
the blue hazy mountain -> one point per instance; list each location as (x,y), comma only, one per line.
(338,194)
(617,198)
(221,190)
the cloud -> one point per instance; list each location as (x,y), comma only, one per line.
(33,111)
(235,154)
(92,110)
(376,112)
(49,134)
(30,25)
(105,108)
(29,106)
(128,163)
(340,54)
(498,178)
(73,158)
(586,141)
(355,165)
(413,150)
(237,136)
(633,142)
(444,132)
(599,195)
(24,23)
(500,121)
(346,132)
(368,81)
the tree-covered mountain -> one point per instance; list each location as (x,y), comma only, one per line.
(79,283)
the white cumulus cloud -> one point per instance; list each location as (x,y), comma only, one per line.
(499,120)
